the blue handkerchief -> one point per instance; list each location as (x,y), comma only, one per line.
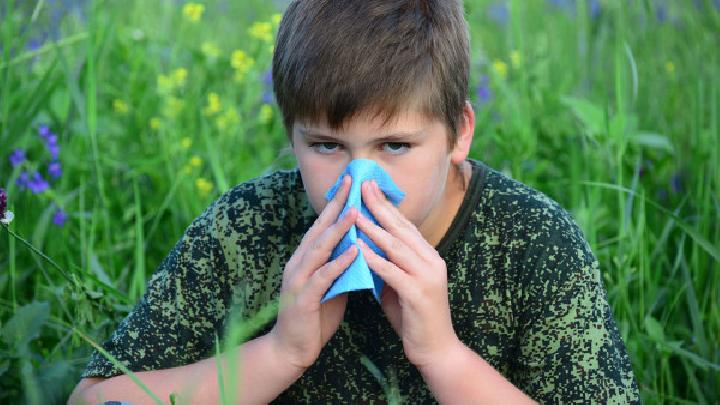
(359,276)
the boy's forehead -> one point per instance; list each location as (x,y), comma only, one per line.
(409,122)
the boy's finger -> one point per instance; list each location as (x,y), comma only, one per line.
(395,249)
(323,277)
(317,253)
(329,214)
(389,272)
(391,220)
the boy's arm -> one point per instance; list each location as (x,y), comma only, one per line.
(262,374)
(461,376)
(569,347)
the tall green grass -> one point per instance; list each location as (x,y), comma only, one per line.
(614,114)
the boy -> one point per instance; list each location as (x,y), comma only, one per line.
(492,293)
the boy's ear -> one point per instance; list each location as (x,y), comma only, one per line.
(466,130)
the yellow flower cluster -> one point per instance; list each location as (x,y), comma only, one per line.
(176,79)
(515,59)
(670,68)
(173,107)
(193,12)
(265,114)
(242,63)
(203,186)
(120,106)
(210,49)
(228,118)
(155,123)
(213,104)
(500,68)
(262,30)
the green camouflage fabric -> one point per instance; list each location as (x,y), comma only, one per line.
(525,293)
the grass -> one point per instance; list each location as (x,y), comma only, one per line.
(614,114)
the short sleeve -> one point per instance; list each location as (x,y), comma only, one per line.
(176,320)
(569,347)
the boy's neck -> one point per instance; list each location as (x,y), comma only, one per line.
(438,222)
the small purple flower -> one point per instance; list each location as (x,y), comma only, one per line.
(595,8)
(60,217)
(268,78)
(3,203)
(498,12)
(44,131)
(55,169)
(37,184)
(483,92)
(268,97)
(22,180)
(17,157)
(54,151)
(676,183)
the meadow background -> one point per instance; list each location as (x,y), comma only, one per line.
(121,120)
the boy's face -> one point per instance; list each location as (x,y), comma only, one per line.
(411,149)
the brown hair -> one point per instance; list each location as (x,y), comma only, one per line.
(335,59)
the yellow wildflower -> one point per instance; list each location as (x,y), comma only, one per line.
(242,64)
(261,30)
(275,19)
(670,67)
(165,84)
(186,142)
(173,107)
(265,114)
(228,118)
(193,12)
(196,161)
(500,68)
(155,123)
(515,59)
(203,186)
(179,75)
(120,106)
(210,49)
(213,104)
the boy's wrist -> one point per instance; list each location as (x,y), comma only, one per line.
(443,361)
(280,360)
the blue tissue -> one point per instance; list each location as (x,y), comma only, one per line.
(358,275)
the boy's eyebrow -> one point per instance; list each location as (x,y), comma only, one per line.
(395,136)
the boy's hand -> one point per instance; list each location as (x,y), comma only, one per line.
(415,298)
(303,325)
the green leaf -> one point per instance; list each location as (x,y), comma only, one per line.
(590,115)
(654,329)
(25,325)
(653,141)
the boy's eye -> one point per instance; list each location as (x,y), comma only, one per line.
(397,148)
(324,147)
(394,148)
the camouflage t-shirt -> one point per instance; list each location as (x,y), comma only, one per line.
(524,288)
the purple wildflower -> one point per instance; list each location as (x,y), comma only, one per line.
(17,157)
(55,169)
(37,184)
(498,12)
(676,183)
(268,78)
(52,146)
(60,217)
(483,92)
(268,97)
(595,8)
(44,131)
(22,180)
(3,203)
